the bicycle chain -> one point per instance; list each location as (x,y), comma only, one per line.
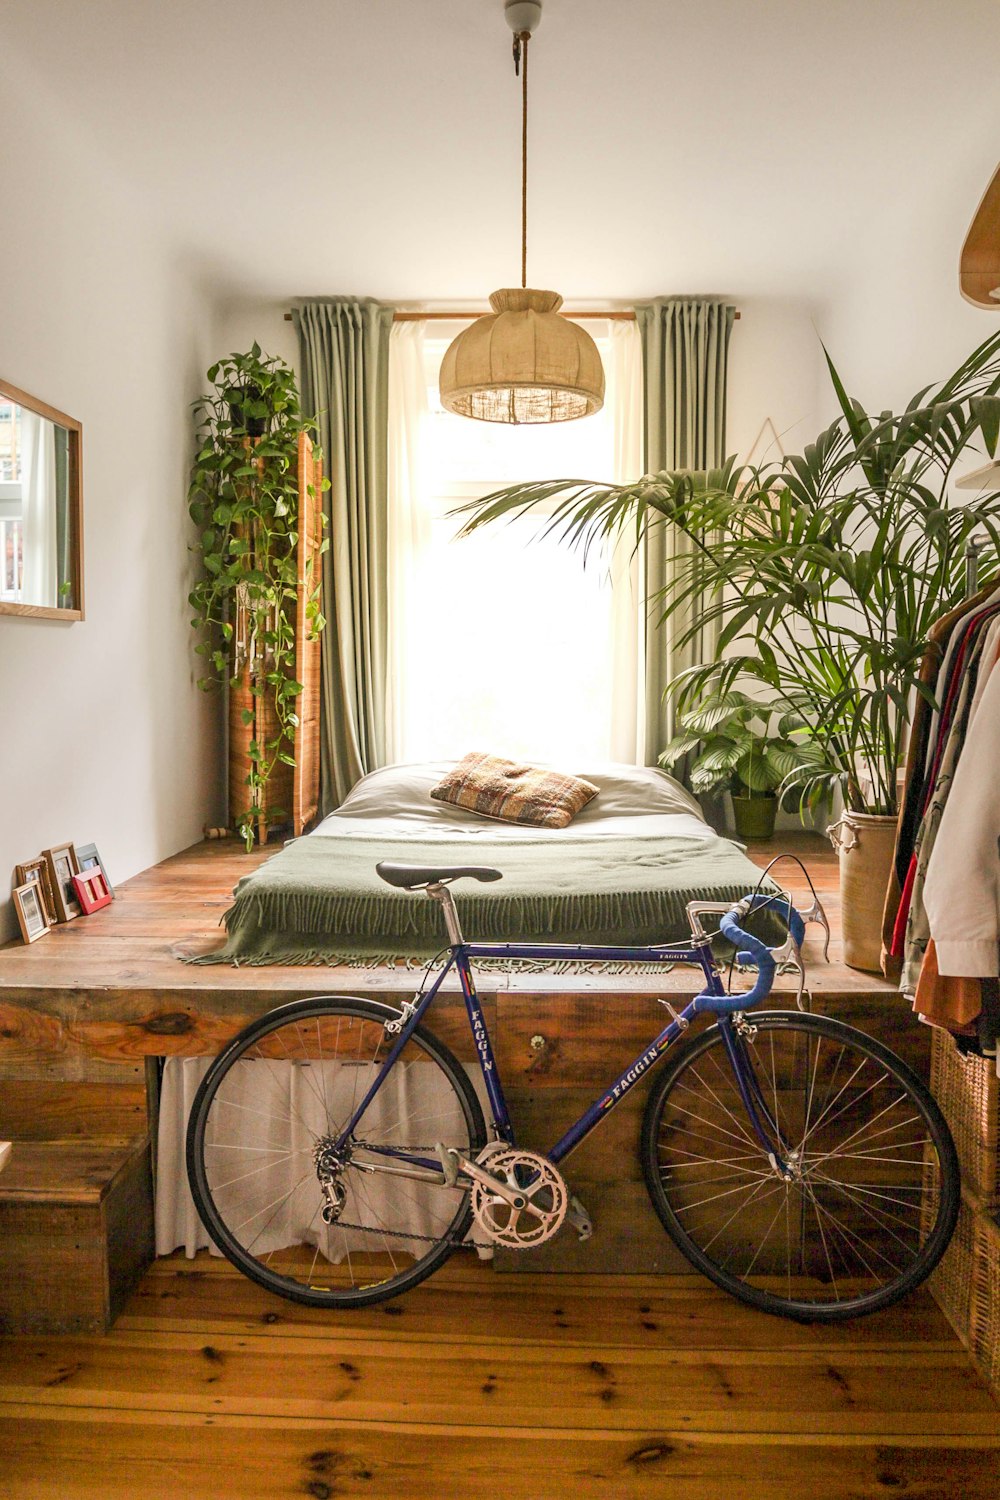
(401,1234)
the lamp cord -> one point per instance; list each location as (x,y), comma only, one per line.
(524,38)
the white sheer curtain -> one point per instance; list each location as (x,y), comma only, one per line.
(503,641)
(38,511)
(408,519)
(623,397)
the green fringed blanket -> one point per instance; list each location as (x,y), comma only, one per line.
(319,901)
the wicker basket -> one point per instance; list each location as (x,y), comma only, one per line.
(966,1088)
(984,1304)
(950,1283)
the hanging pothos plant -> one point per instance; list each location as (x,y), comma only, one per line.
(244,499)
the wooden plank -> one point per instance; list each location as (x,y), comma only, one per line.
(539,1387)
(34,1109)
(468,1303)
(63,1171)
(93,1457)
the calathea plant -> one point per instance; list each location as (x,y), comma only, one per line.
(244,499)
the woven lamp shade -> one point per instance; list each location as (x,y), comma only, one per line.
(523,363)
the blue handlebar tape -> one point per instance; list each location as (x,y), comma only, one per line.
(749,949)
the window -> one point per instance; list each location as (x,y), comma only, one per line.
(11,520)
(505,638)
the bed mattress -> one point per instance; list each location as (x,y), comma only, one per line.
(621,873)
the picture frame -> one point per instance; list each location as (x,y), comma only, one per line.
(88,858)
(62,866)
(92,890)
(36,871)
(31,914)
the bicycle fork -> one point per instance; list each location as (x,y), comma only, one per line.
(736,1032)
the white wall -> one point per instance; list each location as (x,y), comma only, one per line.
(776,370)
(105,735)
(897,321)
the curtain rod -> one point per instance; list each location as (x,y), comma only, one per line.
(615,315)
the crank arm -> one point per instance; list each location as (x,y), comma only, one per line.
(453,1164)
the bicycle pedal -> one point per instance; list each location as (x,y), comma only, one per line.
(579,1218)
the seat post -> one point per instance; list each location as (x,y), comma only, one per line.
(443,894)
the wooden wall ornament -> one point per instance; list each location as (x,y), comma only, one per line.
(979,265)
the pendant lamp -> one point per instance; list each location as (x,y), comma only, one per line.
(523,362)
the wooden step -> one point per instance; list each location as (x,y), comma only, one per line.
(76,1233)
(60,1109)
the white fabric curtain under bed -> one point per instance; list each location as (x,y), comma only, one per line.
(257,1098)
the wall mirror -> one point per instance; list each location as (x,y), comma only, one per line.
(41,509)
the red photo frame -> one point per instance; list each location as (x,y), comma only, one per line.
(92,890)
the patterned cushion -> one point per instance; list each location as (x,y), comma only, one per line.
(498,788)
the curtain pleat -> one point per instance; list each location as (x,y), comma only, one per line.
(685,351)
(344,354)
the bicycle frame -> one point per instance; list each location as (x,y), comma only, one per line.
(712,998)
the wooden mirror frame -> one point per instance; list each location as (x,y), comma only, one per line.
(74,497)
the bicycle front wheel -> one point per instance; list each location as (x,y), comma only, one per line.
(260,1144)
(870,1200)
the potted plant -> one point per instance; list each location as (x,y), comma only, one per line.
(823,575)
(244,499)
(733,743)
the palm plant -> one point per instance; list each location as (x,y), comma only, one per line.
(822,574)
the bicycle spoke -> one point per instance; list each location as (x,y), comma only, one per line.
(802,1233)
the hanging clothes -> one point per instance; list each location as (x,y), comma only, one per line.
(945,734)
(962,887)
(915,775)
(945,931)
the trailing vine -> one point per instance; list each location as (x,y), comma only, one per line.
(244,499)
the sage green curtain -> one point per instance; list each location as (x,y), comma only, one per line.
(344,369)
(685,352)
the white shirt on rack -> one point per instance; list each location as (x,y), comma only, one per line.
(962,891)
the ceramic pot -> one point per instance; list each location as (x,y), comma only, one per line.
(865,843)
(754,816)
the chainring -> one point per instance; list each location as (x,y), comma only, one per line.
(538,1183)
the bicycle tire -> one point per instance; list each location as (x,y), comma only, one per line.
(255,1124)
(869,1214)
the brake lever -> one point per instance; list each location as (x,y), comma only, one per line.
(789,958)
(818,915)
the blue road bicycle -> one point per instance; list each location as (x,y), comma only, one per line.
(338,1152)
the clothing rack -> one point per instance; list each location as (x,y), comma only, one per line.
(973,547)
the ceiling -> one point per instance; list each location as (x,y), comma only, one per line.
(752,147)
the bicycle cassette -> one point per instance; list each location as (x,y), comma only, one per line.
(540,1200)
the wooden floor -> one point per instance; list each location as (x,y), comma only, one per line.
(476,1385)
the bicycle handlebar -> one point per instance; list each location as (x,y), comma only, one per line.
(750,949)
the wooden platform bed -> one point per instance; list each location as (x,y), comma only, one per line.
(88,1011)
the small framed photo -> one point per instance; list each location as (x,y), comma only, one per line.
(62,866)
(36,872)
(91,890)
(31,915)
(88,858)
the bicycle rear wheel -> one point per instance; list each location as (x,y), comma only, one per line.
(260,1136)
(874,1194)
